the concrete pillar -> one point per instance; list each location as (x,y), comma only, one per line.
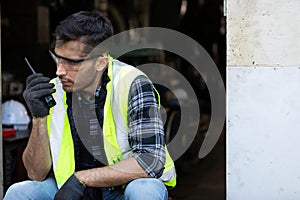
(263,99)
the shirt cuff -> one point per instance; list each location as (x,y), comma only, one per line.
(152,165)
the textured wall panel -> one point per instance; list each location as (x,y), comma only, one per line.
(263,33)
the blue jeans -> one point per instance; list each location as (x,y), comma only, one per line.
(32,190)
(143,188)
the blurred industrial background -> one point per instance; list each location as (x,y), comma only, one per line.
(26,30)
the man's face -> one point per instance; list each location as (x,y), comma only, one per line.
(75,76)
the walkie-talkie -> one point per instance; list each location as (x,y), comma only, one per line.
(48,98)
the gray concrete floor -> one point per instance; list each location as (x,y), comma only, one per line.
(201,179)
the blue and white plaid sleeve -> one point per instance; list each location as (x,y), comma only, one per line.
(146,132)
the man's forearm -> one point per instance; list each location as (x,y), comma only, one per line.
(36,156)
(118,174)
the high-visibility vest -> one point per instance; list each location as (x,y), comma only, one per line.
(115,126)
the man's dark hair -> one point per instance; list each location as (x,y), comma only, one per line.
(91,28)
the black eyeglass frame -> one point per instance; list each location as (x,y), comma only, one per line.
(72,60)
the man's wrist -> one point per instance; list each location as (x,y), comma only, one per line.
(82,182)
(39,120)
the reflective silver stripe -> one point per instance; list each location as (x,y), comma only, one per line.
(118,94)
(169,175)
(57,123)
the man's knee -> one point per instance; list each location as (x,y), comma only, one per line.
(18,191)
(146,188)
(32,190)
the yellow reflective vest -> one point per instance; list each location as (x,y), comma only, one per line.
(115,126)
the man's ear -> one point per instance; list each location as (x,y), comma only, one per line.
(101,63)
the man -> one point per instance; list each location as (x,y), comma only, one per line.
(104,138)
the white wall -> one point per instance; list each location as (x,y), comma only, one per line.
(263,99)
(264,32)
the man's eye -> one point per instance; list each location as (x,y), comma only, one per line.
(72,63)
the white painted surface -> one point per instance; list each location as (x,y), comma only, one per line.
(263,100)
(263,133)
(263,32)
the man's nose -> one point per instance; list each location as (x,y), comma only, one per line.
(60,70)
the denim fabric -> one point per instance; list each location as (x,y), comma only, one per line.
(143,188)
(32,190)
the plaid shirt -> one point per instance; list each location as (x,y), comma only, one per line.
(146,133)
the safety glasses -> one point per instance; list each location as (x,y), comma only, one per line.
(70,63)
